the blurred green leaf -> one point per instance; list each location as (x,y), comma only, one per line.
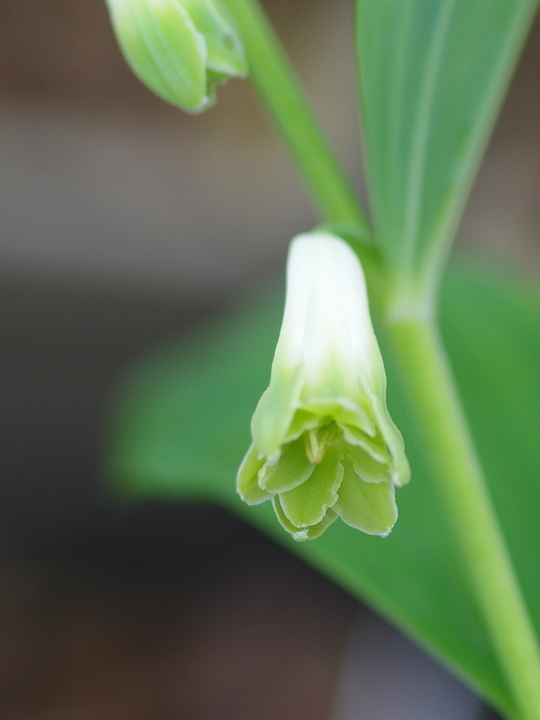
(180,426)
(432,77)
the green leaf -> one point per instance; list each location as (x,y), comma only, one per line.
(180,426)
(432,77)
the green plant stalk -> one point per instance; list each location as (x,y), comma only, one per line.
(280,91)
(424,366)
(456,469)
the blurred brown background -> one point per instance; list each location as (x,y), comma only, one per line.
(109,243)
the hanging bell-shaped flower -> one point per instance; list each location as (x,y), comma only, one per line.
(324,445)
(180,49)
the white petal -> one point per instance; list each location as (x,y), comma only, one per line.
(327,327)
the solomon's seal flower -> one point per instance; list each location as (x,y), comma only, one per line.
(180,49)
(324,445)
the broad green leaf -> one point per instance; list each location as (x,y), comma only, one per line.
(180,426)
(432,77)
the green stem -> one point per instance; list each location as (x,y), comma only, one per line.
(282,94)
(456,469)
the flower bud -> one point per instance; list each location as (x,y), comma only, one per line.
(180,49)
(324,445)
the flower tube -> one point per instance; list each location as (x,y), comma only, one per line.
(324,445)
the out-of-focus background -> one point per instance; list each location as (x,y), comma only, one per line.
(122,222)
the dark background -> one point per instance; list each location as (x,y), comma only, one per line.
(122,222)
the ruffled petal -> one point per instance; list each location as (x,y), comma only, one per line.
(307,504)
(367,506)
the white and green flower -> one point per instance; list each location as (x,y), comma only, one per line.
(180,49)
(324,445)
